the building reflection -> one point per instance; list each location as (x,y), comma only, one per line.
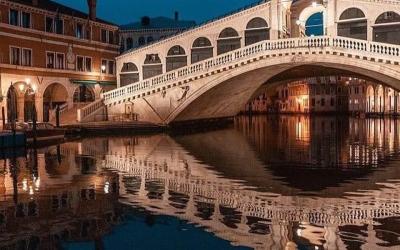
(49,197)
(230,182)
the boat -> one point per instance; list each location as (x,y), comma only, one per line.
(46,133)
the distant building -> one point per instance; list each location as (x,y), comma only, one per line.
(148,29)
(327,95)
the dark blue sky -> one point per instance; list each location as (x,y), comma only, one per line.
(126,11)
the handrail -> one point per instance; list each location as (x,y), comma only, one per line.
(252,51)
(86,111)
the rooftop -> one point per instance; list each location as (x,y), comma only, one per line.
(52,6)
(159,23)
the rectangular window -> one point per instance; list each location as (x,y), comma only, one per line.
(59,24)
(49,24)
(103,35)
(323,102)
(79,31)
(50,60)
(332,102)
(26,20)
(60,61)
(15,55)
(111,67)
(14,17)
(104,65)
(313,102)
(111,37)
(26,59)
(88,64)
(80,63)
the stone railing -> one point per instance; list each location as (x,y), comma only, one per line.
(340,44)
(88,110)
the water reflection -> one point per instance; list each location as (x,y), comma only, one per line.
(284,182)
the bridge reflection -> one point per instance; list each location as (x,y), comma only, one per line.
(266,183)
(219,181)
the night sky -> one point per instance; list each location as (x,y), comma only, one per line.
(126,11)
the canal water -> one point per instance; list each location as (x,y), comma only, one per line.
(266,182)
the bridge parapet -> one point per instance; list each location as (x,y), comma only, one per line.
(374,51)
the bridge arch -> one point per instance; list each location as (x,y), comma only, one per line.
(225,95)
(129,74)
(202,49)
(387,28)
(353,24)
(228,40)
(257,30)
(176,58)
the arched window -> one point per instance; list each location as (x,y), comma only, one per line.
(256,30)
(54,95)
(84,94)
(141,41)
(152,66)
(150,39)
(353,24)
(176,58)
(314,25)
(129,74)
(201,49)
(387,28)
(228,40)
(129,43)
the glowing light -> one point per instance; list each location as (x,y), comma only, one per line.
(22,87)
(28,80)
(107,187)
(298,232)
(31,190)
(34,87)
(103,68)
(25,185)
(298,22)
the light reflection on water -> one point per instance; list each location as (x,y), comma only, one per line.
(278,182)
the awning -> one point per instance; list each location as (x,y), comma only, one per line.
(94,82)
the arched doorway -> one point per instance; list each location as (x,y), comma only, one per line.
(83,94)
(176,58)
(12,104)
(29,104)
(256,31)
(201,49)
(54,95)
(228,40)
(380,101)
(353,24)
(387,28)
(314,25)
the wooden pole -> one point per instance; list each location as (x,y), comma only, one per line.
(58,116)
(3,117)
(34,125)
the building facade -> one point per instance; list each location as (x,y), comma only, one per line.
(330,94)
(53,55)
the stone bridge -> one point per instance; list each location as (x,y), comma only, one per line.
(213,70)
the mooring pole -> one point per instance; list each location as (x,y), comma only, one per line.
(34,126)
(58,116)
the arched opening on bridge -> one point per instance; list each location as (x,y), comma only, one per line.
(353,24)
(387,28)
(129,43)
(228,40)
(201,49)
(390,100)
(314,25)
(150,39)
(370,99)
(141,41)
(152,66)
(12,107)
(83,94)
(129,74)
(257,30)
(176,58)
(54,95)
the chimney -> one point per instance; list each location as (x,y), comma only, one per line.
(35,2)
(92,9)
(176,16)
